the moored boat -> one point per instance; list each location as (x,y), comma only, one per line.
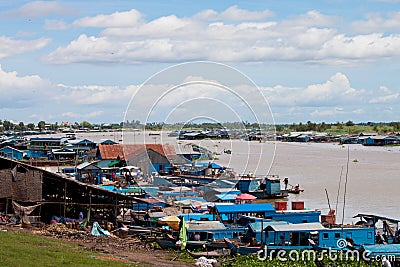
(213,254)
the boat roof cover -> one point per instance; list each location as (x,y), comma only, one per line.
(205,225)
(261,225)
(391,224)
(296,227)
(375,218)
(383,249)
(244,208)
(226,197)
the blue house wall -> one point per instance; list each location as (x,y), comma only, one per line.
(297,217)
(12,153)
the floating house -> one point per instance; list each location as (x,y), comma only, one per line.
(234,212)
(149,158)
(380,140)
(80,146)
(62,154)
(13,153)
(42,146)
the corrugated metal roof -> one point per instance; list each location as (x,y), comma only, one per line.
(126,151)
(205,225)
(226,197)
(244,208)
(86,164)
(297,227)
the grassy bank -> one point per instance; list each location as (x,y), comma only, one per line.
(22,249)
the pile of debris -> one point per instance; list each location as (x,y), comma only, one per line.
(106,244)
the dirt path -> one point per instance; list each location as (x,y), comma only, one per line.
(112,248)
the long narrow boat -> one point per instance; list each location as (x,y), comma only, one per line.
(214,253)
(166,243)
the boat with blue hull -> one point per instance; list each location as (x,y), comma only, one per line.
(287,236)
(204,235)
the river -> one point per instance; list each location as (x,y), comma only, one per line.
(373,173)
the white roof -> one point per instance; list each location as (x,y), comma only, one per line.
(297,227)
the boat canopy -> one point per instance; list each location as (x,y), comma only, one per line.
(259,226)
(300,227)
(391,225)
(226,197)
(383,250)
(244,208)
(205,225)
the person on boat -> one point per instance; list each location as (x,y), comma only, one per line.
(297,187)
(263,184)
(379,238)
(253,242)
(286,181)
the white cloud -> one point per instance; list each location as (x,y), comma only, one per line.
(33,97)
(117,19)
(55,25)
(234,13)
(24,96)
(392,98)
(21,91)
(376,23)
(311,19)
(37,9)
(335,91)
(310,37)
(9,47)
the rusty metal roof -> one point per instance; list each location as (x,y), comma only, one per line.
(126,151)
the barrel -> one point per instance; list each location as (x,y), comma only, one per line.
(280,205)
(297,205)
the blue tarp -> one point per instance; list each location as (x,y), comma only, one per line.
(244,208)
(98,231)
(205,164)
(226,197)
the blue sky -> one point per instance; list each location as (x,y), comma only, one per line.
(91,60)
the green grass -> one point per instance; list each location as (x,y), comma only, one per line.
(253,261)
(22,249)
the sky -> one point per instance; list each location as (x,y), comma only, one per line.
(173,61)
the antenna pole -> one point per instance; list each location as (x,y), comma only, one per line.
(327,196)
(345,183)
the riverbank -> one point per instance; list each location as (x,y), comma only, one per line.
(56,245)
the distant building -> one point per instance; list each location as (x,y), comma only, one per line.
(42,146)
(148,157)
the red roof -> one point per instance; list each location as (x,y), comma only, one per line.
(245,196)
(127,151)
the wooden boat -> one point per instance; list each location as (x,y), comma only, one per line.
(166,243)
(214,253)
(241,250)
(295,191)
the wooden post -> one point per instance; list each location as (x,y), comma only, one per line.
(65,196)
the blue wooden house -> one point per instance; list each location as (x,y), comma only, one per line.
(298,236)
(380,140)
(42,146)
(13,153)
(80,146)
